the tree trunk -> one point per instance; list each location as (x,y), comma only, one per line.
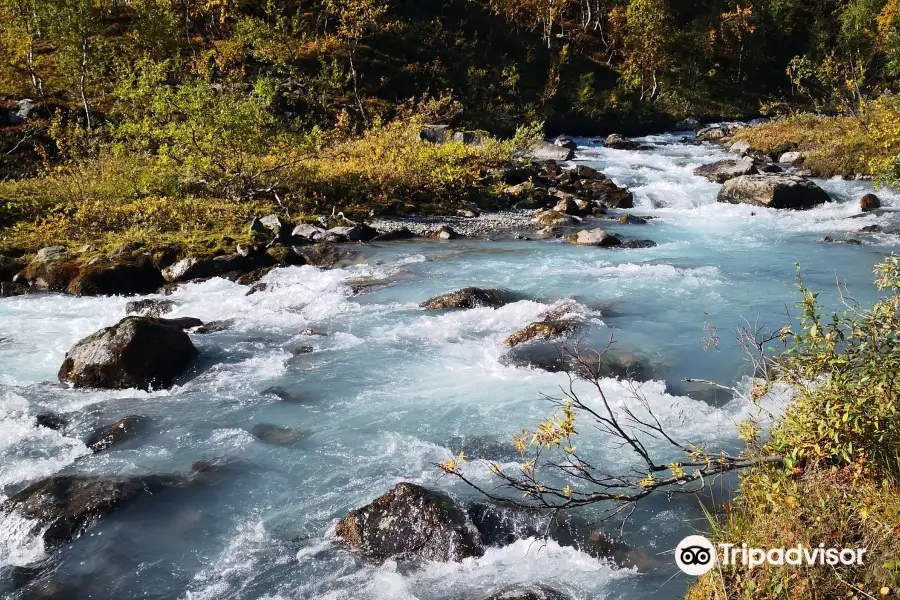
(362,111)
(83,78)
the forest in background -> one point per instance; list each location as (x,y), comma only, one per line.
(580,66)
(185,116)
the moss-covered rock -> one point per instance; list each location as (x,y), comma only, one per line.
(470,297)
(543,330)
(411,521)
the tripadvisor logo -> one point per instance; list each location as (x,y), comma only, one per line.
(696,555)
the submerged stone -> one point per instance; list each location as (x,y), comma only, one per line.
(62,507)
(276,434)
(120,431)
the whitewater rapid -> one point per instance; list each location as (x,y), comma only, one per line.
(392,389)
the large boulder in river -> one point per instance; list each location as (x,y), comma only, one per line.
(150,307)
(618,142)
(470,297)
(773,191)
(723,170)
(713,133)
(869,202)
(62,507)
(136,352)
(327,256)
(532,591)
(595,237)
(609,194)
(411,521)
(566,142)
(551,357)
(544,150)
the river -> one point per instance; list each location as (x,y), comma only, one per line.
(393,389)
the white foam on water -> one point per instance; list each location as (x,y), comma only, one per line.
(27,451)
(525,562)
(227,574)
(456,326)
(21,542)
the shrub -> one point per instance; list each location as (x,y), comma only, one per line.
(840,437)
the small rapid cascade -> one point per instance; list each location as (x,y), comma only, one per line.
(389,389)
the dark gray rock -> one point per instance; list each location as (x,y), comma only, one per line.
(544,150)
(51,420)
(116,278)
(531,591)
(9,267)
(309,233)
(470,297)
(614,363)
(565,142)
(215,326)
(328,255)
(411,521)
(595,237)
(120,431)
(149,307)
(469,138)
(353,233)
(633,244)
(137,352)
(688,124)
(618,142)
(9,289)
(773,191)
(403,233)
(181,322)
(585,172)
(723,170)
(202,268)
(276,435)
(63,507)
(610,195)
(436,134)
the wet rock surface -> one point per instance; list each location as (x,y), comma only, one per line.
(470,297)
(137,352)
(773,191)
(120,431)
(411,521)
(65,506)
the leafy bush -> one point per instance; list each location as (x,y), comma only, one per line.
(836,145)
(840,437)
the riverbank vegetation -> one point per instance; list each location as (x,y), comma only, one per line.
(841,438)
(154,115)
(866,144)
